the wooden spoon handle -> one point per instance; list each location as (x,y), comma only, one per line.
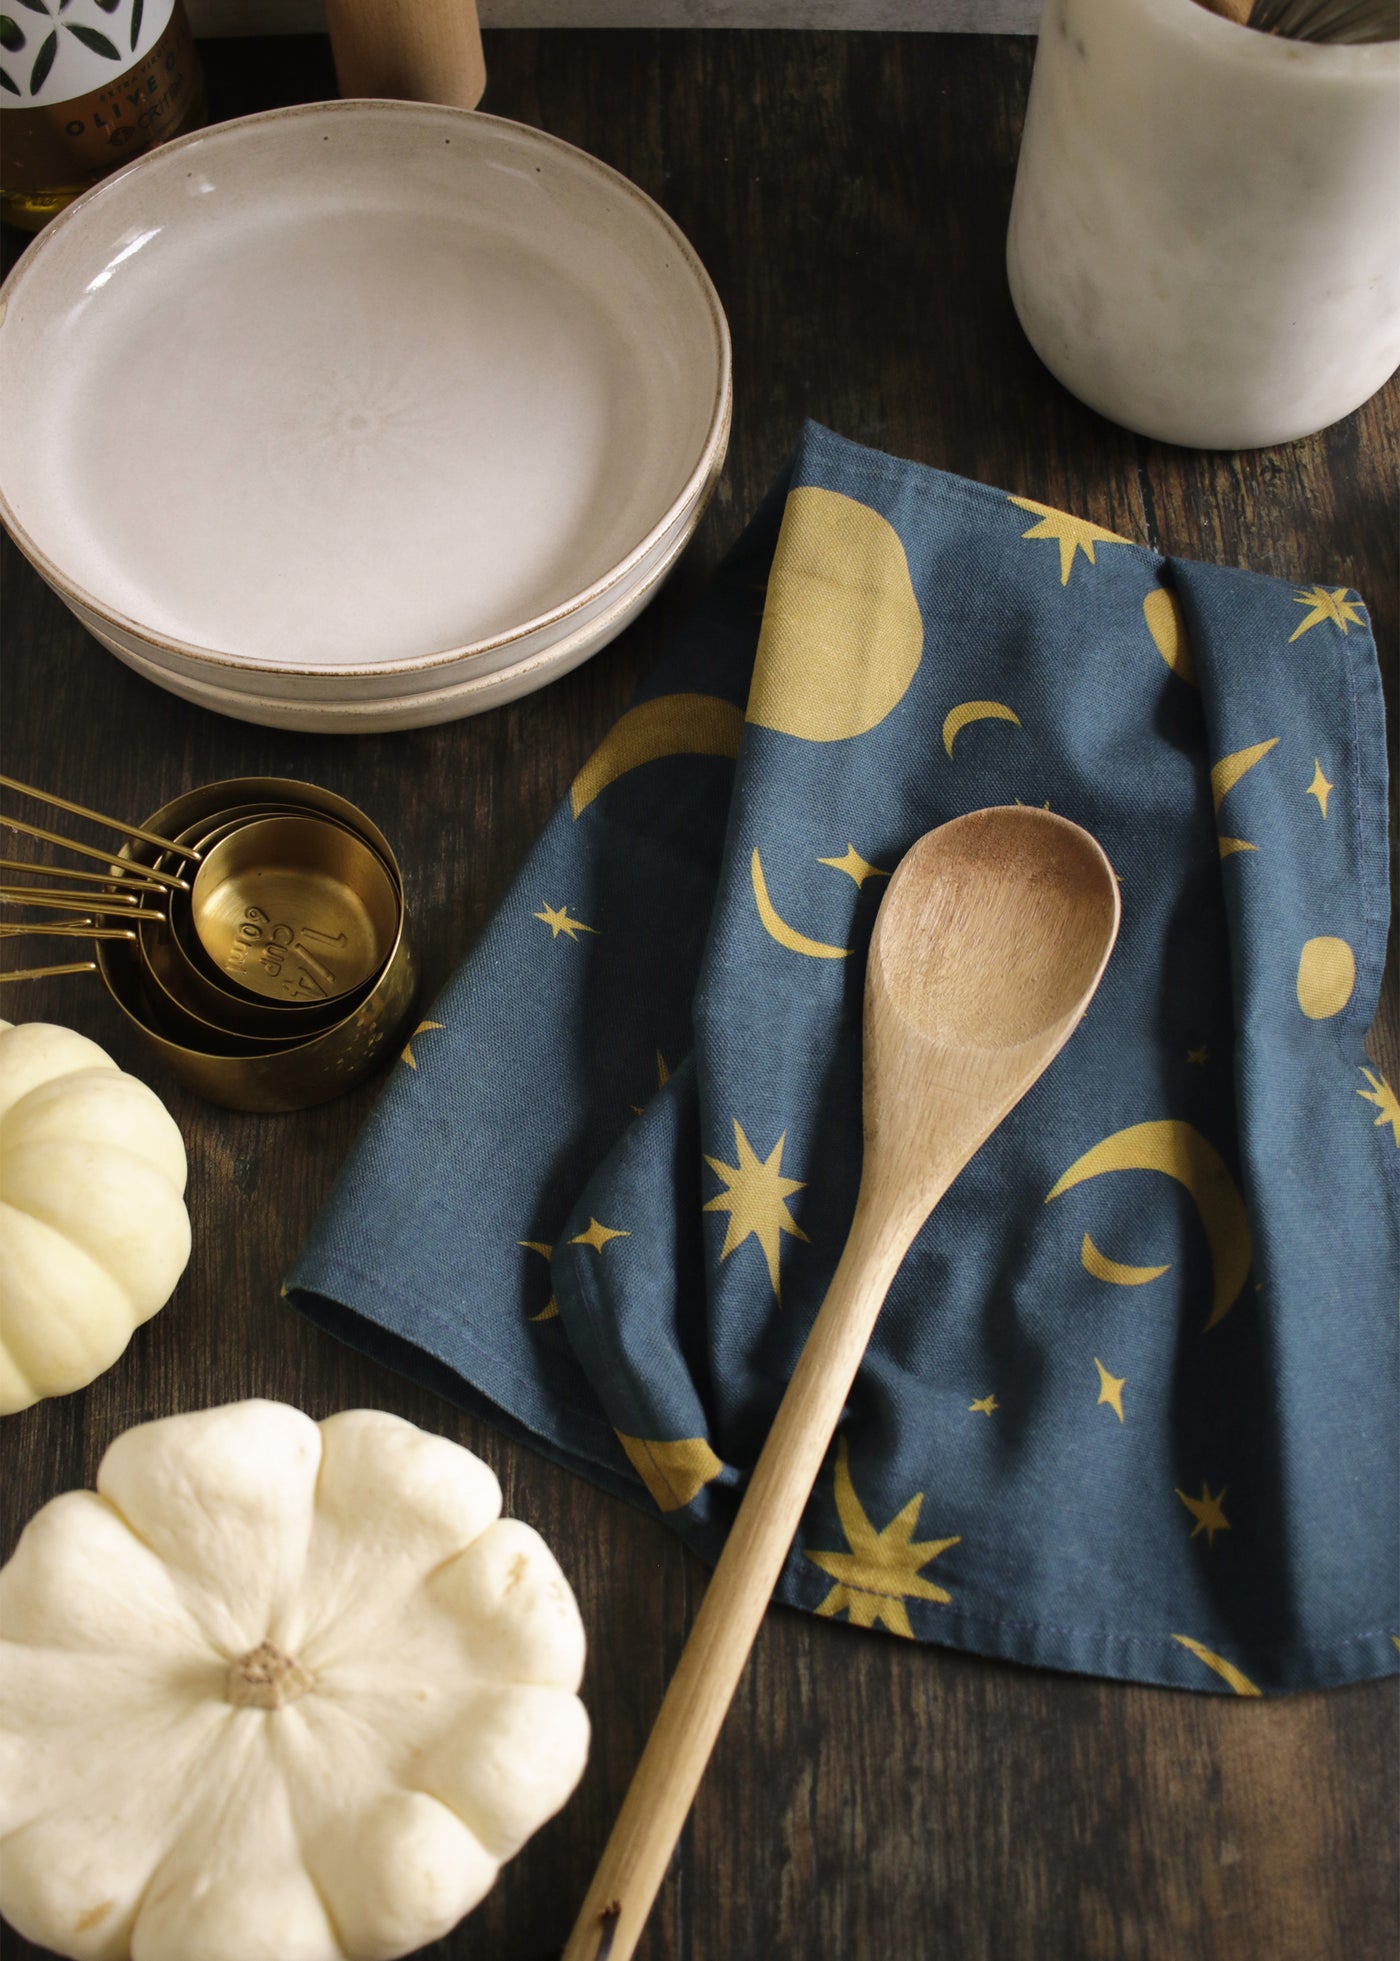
(664,1784)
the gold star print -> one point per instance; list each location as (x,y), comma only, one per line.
(984,1405)
(881,1570)
(1385,1100)
(854,866)
(1206,1510)
(1072,534)
(754,1197)
(421,1029)
(550,1310)
(1111,1389)
(1198,1056)
(597,1236)
(560,922)
(1319,787)
(1325,605)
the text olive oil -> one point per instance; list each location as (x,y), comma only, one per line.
(85,86)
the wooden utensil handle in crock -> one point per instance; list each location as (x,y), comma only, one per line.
(427,52)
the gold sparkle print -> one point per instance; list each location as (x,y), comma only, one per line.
(755,1197)
(1110,1389)
(598,1236)
(558,921)
(882,1569)
(1072,534)
(1385,1100)
(1207,1512)
(422,1029)
(984,1406)
(854,866)
(1199,1056)
(1319,787)
(1324,605)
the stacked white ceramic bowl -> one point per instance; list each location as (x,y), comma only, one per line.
(360,415)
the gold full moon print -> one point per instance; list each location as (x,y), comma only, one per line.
(842,635)
(1326,977)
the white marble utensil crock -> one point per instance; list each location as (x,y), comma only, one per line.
(1205,234)
(358,402)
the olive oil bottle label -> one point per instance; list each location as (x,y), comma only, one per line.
(86,85)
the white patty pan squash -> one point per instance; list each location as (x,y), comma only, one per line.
(277,1691)
(93,1227)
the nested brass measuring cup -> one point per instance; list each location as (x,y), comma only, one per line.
(178,966)
(326,1048)
(295,908)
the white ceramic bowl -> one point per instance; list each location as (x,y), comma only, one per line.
(468,692)
(358,401)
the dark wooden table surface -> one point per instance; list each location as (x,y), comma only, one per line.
(849,194)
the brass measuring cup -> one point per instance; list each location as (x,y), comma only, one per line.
(294,908)
(180,969)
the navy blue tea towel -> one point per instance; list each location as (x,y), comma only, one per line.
(1130,1408)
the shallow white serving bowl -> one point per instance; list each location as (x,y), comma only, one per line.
(470,692)
(357,401)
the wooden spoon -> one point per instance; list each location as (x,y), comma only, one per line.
(987,949)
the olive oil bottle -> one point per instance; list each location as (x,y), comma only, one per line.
(85,86)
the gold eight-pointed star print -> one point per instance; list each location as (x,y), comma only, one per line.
(558,921)
(1324,605)
(755,1197)
(882,1569)
(1207,1512)
(1385,1100)
(1072,534)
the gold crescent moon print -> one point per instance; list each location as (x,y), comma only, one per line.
(842,634)
(974,711)
(1162,611)
(1223,778)
(1115,1271)
(778,929)
(672,725)
(1226,1670)
(1179,1151)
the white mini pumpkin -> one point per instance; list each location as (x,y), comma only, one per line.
(277,1691)
(93,1227)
